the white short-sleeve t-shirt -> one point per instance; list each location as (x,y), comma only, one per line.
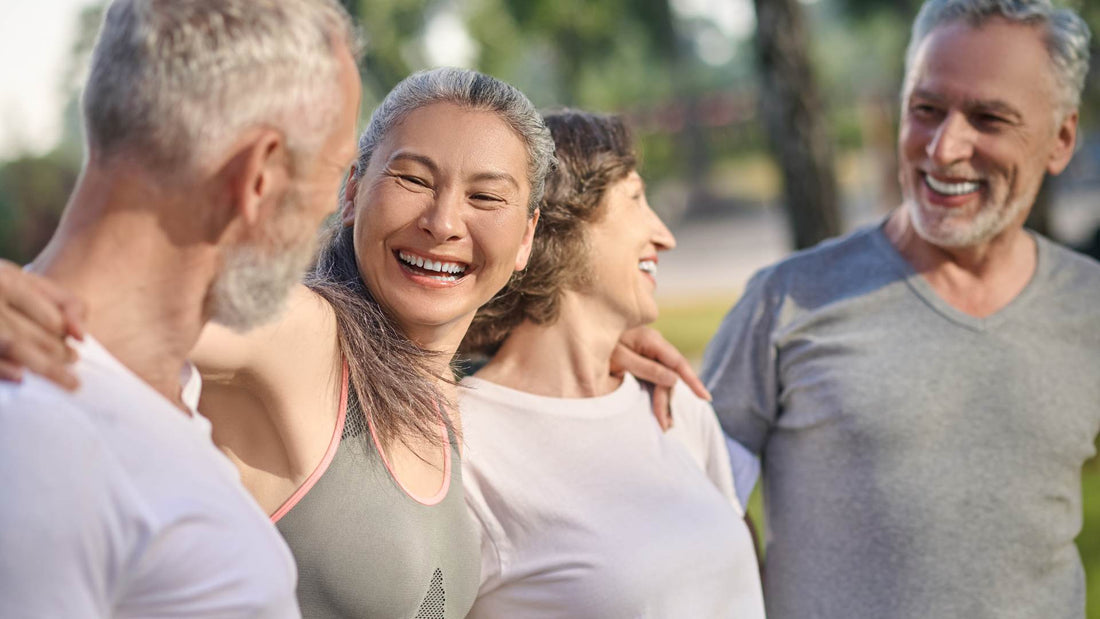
(118,504)
(587,509)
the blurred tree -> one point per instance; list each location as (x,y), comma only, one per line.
(391,29)
(793,115)
(33,192)
(611,55)
(35,189)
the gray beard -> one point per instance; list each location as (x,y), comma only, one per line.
(254,285)
(941,232)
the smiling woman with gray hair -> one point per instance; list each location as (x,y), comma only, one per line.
(339,415)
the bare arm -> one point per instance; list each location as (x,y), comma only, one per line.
(270,349)
(35,318)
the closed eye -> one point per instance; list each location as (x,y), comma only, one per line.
(992,120)
(923,110)
(416,180)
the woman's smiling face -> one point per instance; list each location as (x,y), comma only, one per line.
(441,217)
(624,244)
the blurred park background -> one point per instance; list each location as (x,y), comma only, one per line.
(765,125)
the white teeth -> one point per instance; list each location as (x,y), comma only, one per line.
(432,265)
(951,189)
(648,266)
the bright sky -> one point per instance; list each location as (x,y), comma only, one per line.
(35,37)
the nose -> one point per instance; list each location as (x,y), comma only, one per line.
(662,237)
(952,142)
(443,218)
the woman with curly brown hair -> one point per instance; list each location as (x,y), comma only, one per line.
(586,508)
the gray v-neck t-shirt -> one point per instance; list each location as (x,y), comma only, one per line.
(918,462)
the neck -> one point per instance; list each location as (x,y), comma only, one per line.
(978,280)
(570,358)
(144,284)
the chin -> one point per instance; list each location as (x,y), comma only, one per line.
(646,317)
(964,229)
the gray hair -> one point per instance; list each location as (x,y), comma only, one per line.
(389,374)
(1066,35)
(174,82)
(468,89)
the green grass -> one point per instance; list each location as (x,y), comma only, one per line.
(689,324)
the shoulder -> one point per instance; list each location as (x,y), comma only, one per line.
(694,416)
(1070,267)
(817,272)
(305,331)
(36,416)
(56,463)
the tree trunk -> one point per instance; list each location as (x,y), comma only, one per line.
(792,113)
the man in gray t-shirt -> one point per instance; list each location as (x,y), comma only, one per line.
(924,392)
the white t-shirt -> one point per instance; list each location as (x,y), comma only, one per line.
(117,504)
(588,510)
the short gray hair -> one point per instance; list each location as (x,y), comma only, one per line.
(174,82)
(468,89)
(1066,35)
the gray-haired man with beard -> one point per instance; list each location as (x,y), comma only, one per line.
(924,392)
(217,133)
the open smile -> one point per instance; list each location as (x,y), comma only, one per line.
(953,187)
(648,266)
(438,269)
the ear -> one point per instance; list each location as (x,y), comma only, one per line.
(1066,143)
(258,174)
(528,239)
(347,207)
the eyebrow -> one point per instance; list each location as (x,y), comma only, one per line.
(421,159)
(427,162)
(495,176)
(988,105)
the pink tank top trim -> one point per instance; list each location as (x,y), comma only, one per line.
(330,453)
(334,444)
(442,492)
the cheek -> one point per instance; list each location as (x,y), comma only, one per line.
(499,234)
(383,213)
(911,143)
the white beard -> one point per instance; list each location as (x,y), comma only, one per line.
(257,277)
(944,228)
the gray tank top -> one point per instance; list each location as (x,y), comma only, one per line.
(366,548)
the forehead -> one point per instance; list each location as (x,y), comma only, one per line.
(459,140)
(999,61)
(631,182)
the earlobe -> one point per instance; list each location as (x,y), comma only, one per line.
(528,240)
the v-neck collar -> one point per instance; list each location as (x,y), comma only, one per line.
(923,289)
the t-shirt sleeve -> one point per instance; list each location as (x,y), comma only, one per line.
(63,538)
(695,425)
(739,367)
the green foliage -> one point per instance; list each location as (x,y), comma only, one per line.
(33,191)
(391,29)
